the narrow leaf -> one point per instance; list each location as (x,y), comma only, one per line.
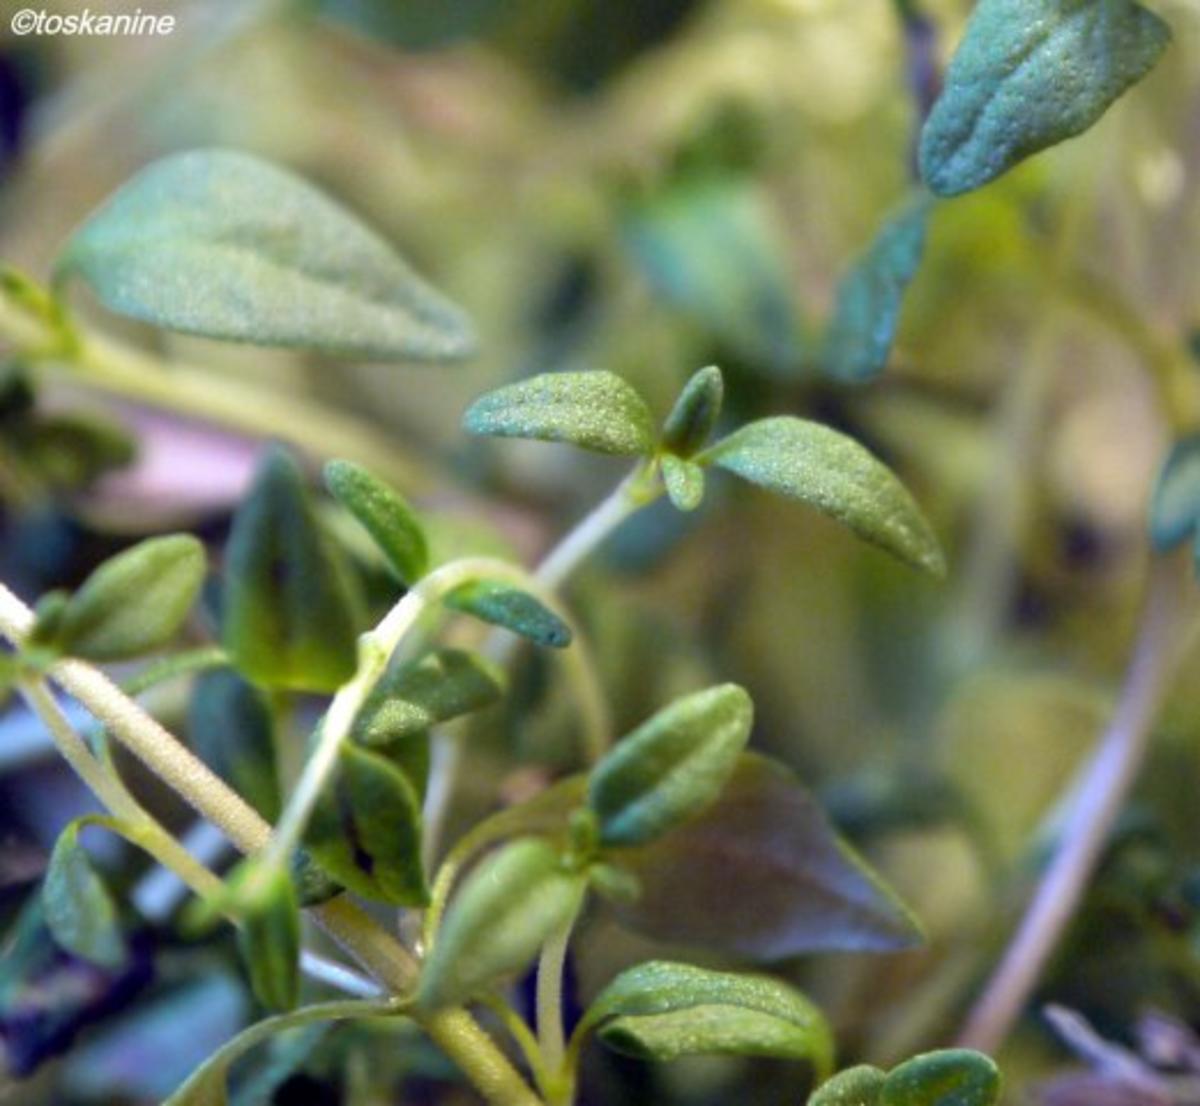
(833,473)
(694,416)
(289,619)
(135,601)
(80,913)
(859,1086)
(516,610)
(671,767)
(684,481)
(952,1077)
(222,244)
(592,410)
(1029,74)
(385,516)
(507,908)
(869,298)
(264,900)
(1175,506)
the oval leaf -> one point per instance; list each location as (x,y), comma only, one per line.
(788,884)
(592,410)
(506,909)
(135,601)
(384,514)
(833,473)
(289,619)
(516,610)
(952,1077)
(1175,506)
(671,767)
(222,244)
(695,414)
(684,482)
(79,911)
(1028,74)
(860,1086)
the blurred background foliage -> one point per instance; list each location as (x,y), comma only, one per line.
(649,186)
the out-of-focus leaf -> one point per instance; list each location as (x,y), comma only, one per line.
(788,884)
(870,297)
(504,912)
(1028,74)
(952,1077)
(222,244)
(1175,507)
(860,1086)
(671,767)
(592,410)
(385,516)
(265,902)
(663,1010)
(684,482)
(694,416)
(80,912)
(516,610)
(833,473)
(288,617)
(135,601)
(71,449)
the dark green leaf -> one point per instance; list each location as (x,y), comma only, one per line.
(671,767)
(860,1086)
(788,884)
(506,909)
(663,1010)
(833,473)
(694,416)
(80,913)
(289,618)
(219,243)
(684,482)
(43,643)
(1028,74)
(135,601)
(1175,507)
(592,410)
(366,830)
(230,726)
(264,901)
(870,296)
(516,610)
(953,1077)
(385,516)
(71,449)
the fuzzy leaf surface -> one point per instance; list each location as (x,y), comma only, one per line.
(694,416)
(951,1077)
(79,910)
(858,1086)
(684,482)
(384,514)
(504,605)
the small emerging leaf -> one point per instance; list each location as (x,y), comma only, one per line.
(135,601)
(222,244)
(833,473)
(684,481)
(671,767)
(694,416)
(1029,74)
(860,1086)
(385,516)
(1175,507)
(952,1077)
(80,913)
(592,410)
(498,921)
(869,298)
(516,610)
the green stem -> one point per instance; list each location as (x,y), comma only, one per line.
(551,966)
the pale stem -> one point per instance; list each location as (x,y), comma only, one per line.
(551,967)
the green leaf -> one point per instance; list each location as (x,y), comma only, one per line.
(265,903)
(43,643)
(384,514)
(504,605)
(684,481)
(833,473)
(231,728)
(134,602)
(663,1010)
(860,1086)
(1029,74)
(692,419)
(206,1086)
(289,617)
(366,830)
(80,913)
(1175,506)
(788,884)
(504,912)
(222,244)
(671,767)
(952,1077)
(869,298)
(592,410)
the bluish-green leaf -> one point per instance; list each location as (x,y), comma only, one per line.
(135,602)
(223,244)
(694,416)
(952,1077)
(384,514)
(684,482)
(1028,74)
(870,296)
(1175,506)
(833,473)
(80,913)
(516,610)
(264,901)
(592,410)
(288,619)
(859,1086)
(663,1010)
(671,767)
(506,909)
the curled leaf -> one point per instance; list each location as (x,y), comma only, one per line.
(80,913)
(694,416)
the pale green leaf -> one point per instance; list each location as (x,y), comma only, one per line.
(79,910)
(859,1086)
(684,482)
